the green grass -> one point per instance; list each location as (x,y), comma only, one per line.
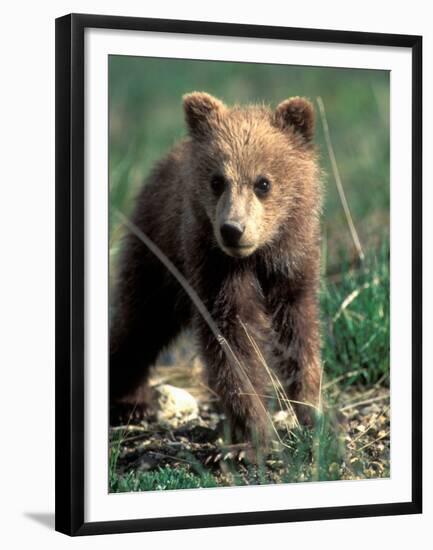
(159,480)
(355,316)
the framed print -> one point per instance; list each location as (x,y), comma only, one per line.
(238,274)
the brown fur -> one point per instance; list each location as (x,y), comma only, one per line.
(270,285)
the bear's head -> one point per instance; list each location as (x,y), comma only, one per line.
(254,170)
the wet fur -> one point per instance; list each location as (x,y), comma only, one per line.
(273,291)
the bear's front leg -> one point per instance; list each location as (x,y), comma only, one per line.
(235,369)
(297,350)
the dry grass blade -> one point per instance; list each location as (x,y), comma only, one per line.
(280,393)
(365,402)
(341,377)
(255,394)
(374,441)
(353,295)
(276,384)
(340,188)
(278,387)
(173,270)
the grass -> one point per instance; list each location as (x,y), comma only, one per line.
(355,313)
(159,480)
(146,119)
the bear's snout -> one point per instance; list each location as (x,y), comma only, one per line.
(231,233)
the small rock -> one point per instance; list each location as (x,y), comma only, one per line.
(175,406)
(283,420)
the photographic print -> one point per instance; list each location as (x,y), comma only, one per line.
(249,274)
(238,274)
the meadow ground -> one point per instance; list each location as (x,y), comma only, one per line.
(145,120)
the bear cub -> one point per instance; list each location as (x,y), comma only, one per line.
(235,208)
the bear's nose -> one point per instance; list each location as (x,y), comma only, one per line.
(231,232)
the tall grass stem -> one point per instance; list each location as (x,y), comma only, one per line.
(339,183)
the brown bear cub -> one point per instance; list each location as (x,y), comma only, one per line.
(235,207)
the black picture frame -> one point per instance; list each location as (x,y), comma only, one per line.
(70,281)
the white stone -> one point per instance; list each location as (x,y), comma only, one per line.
(175,406)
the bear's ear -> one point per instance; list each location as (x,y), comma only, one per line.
(296,113)
(202,111)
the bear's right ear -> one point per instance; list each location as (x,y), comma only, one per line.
(202,111)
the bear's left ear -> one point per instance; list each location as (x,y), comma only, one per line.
(296,113)
(202,112)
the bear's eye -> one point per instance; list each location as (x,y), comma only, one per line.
(218,184)
(262,186)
